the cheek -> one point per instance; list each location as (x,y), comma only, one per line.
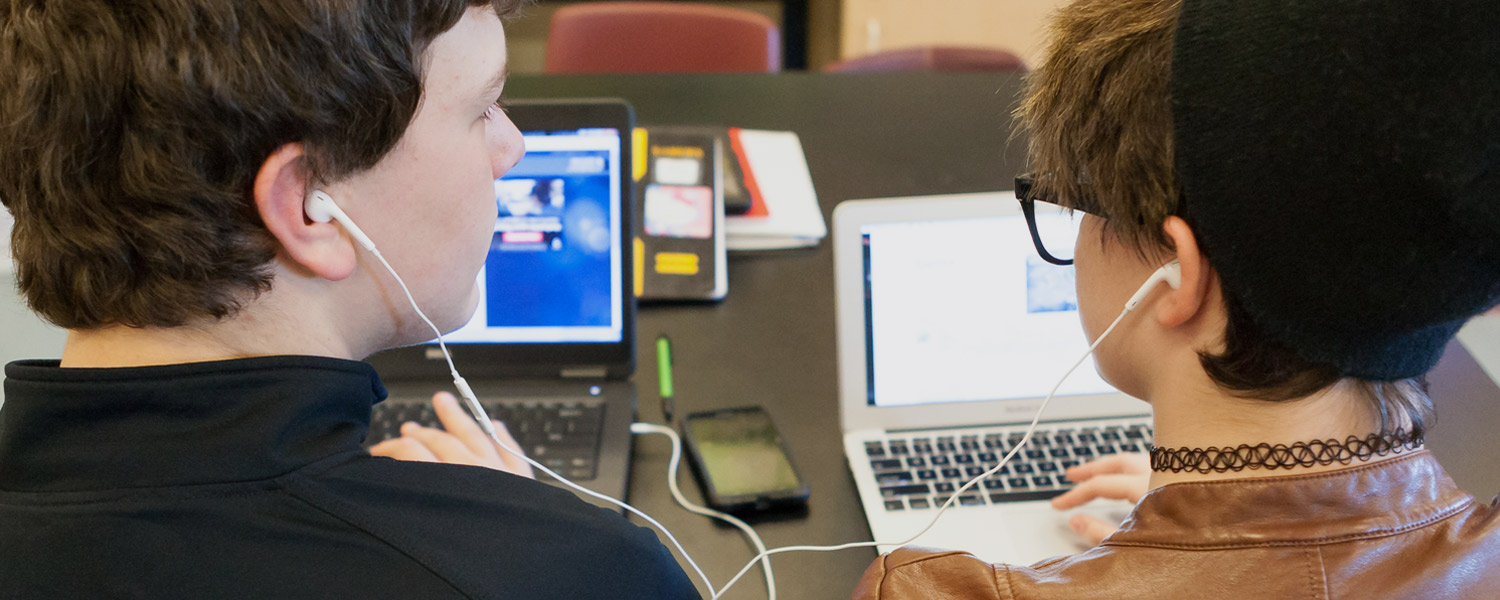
(1091,270)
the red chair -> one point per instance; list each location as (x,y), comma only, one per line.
(933,58)
(661,37)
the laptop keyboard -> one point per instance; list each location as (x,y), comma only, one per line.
(563,435)
(921,471)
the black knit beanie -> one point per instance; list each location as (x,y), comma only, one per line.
(1340,163)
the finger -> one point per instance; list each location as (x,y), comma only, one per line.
(445,446)
(1091,529)
(1115,463)
(403,448)
(514,464)
(1114,487)
(461,424)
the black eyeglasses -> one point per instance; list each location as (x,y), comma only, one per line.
(1058,228)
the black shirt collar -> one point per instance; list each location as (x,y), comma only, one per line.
(196,423)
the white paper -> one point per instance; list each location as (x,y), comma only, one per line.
(794,218)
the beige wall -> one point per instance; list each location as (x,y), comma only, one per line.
(875,25)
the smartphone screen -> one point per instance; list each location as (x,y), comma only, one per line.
(740,455)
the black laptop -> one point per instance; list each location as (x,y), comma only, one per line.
(552,345)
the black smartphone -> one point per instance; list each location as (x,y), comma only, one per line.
(741,461)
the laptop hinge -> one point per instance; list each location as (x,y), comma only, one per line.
(585,373)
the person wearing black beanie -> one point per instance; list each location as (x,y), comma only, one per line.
(1325,177)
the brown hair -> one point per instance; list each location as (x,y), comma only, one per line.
(131,134)
(1098,117)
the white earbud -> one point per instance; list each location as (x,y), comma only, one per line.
(321,208)
(1171,273)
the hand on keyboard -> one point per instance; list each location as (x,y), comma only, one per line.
(1124,476)
(464,443)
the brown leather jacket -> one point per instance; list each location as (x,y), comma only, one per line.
(1394,529)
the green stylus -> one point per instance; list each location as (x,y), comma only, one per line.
(664,374)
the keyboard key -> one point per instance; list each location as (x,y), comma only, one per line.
(1105,450)
(939,460)
(1110,436)
(1058,452)
(946,446)
(1063,440)
(1068,464)
(1088,438)
(1047,467)
(1083,452)
(974,471)
(1041,480)
(951,473)
(886,464)
(893,477)
(905,490)
(918,503)
(1025,469)
(899,449)
(916,461)
(994,484)
(1063,479)
(969,442)
(942,487)
(1018,483)
(1025,496)
(895,505)
(971,500)
(963,459)
(1136,433)
(988,457)
(874,449)
(921,447)
(1130,448)
(1035,454)
(927,474)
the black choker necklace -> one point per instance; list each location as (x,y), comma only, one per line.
(1281,456)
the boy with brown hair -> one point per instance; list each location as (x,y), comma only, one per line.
(201,435)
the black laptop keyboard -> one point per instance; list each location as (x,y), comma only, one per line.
(918,472)
(563,435)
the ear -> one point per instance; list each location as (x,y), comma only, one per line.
(280,188)
(1190,298)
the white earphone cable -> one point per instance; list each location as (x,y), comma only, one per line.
(672,467)
(764,555)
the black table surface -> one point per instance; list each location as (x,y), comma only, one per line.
(771,342)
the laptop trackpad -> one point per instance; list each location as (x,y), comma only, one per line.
(1022,533)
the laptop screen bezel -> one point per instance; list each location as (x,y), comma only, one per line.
(612,360)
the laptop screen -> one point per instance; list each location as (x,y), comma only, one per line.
(550,276)
(964,310)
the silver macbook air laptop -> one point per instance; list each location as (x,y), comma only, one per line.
(552,344)
(951,331)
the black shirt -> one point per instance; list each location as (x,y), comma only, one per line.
(246,479)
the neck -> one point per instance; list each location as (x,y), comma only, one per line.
(259,330)
(1202,415)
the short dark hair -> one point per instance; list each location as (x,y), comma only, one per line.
(131,134)
(1098,117)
